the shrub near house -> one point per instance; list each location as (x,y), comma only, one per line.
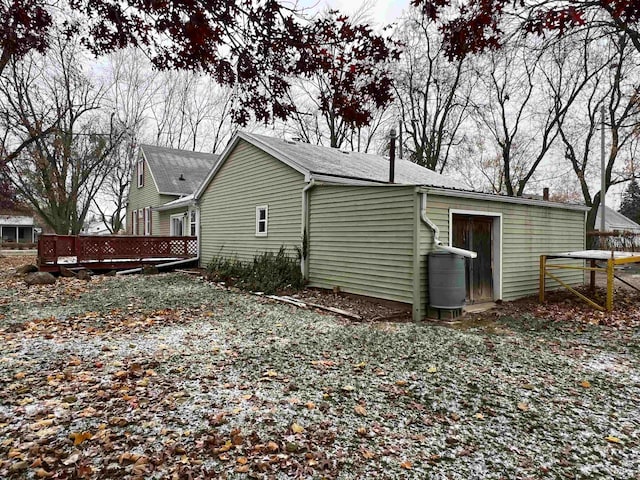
(268,272)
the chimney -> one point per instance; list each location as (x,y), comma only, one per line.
(545,193)
(392,155)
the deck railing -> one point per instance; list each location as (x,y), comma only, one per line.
(105,248)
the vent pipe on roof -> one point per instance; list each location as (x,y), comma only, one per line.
(392,155)
(545,193)
(182,177)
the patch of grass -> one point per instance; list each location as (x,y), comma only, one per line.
(70,297)
(217,380)
(268,272)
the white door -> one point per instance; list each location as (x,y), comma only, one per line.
(177,225)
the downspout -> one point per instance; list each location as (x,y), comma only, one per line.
(436,233)
(196,208)
(304,231)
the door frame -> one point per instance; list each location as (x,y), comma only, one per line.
(496,239)
(177,216)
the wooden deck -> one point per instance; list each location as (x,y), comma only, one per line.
(112,252)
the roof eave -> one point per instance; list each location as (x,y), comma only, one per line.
(500,198)
(173,206)
(277,154)
(174,194)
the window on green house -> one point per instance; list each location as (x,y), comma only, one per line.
(193,223)
(262,220)
(140,172)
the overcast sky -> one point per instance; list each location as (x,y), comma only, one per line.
(381,12)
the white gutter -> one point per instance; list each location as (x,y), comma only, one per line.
(436,233)
(492,197)
(305,225)
(186,201)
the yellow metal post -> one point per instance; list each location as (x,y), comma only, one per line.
(543,273)
(609,304)
(575,292)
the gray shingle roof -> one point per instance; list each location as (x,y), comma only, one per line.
(168,165)
(351,165)
(615,221)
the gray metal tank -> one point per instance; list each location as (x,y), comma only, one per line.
(447,282)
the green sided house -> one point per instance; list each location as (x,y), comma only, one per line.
(371,237)
(161,192)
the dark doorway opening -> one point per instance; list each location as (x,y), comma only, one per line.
(475,232)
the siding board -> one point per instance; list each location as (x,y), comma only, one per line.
(250,178)
(361,240)
(527,232)
(146,196)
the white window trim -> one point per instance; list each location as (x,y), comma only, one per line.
(171,229)
(140,172)
(134,223)
(193,223)
(496,233)
(266,220)
(147,221)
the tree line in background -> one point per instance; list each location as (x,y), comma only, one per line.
(508,99)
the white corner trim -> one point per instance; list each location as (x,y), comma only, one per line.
(496,231)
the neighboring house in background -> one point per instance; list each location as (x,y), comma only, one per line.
(18,225)
(615,221)
(162,181)
(368,236)
(95,227)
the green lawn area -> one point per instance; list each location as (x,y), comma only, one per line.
(167,376)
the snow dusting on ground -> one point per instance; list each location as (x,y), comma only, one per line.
(166,376)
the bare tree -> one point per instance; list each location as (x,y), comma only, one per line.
(54,111)
(432,93)
(191,112)
(617,91)
(132,88)
(523,96)
(343,99)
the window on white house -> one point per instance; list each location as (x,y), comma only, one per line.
(193,223)
(262,220)
(140,172)
(9,234)
(176,225)
(25,234)
(147,221)
(134,222)
(140,225)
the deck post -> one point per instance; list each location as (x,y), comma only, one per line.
(77,248)
(609,304)
(592,277)
(55,249)
(543,273)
